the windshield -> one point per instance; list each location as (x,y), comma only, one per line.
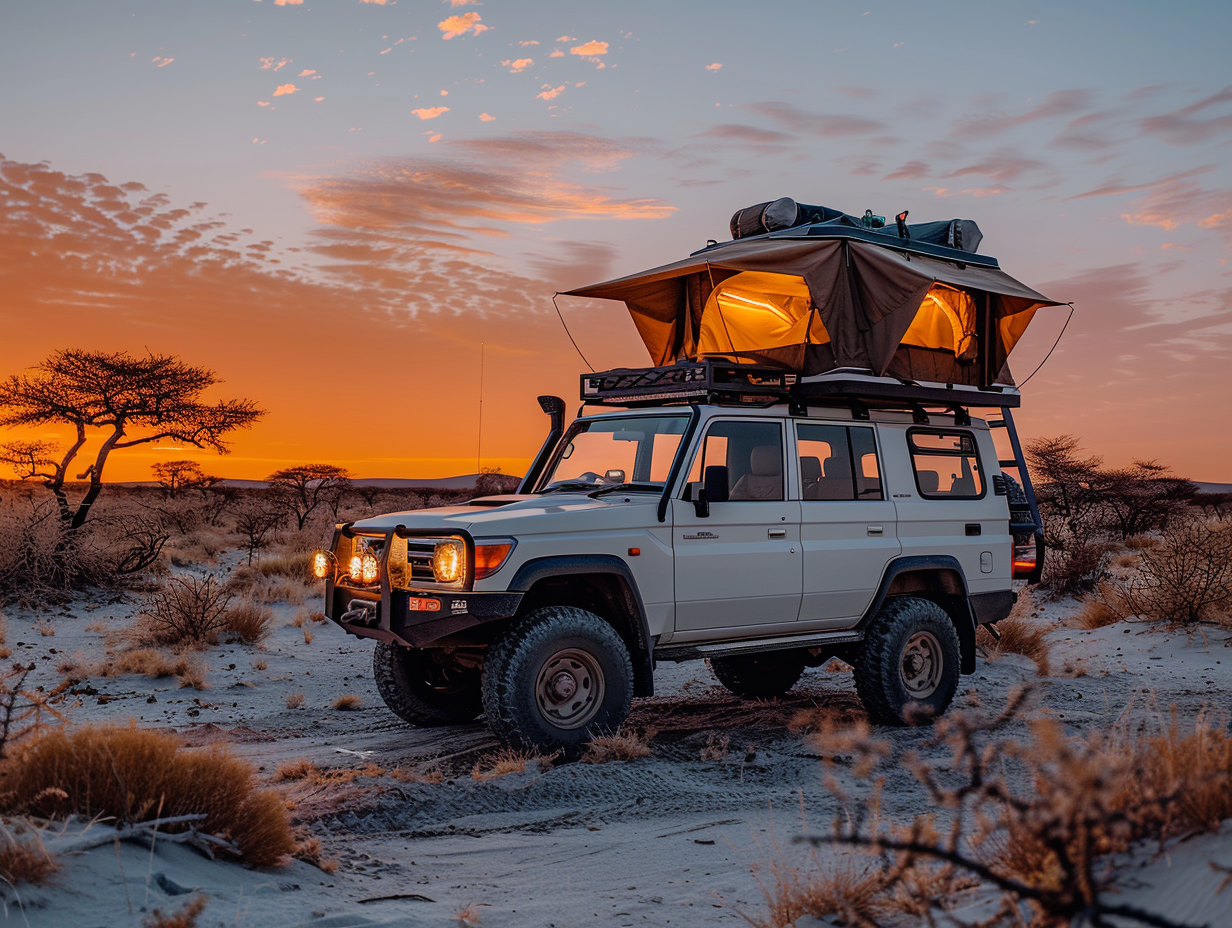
(635,450)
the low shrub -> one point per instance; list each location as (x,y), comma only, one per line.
(1096,612)
(136,775)
(502,764)
(348,702)
(1075,567)
(146,662)
(294,566)
(295,700)
(185,611)
(183,918)
(1186,579)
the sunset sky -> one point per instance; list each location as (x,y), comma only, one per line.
(333,203)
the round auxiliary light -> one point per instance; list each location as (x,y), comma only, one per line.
(369,568)
(449,561)
(355,568)
(322,564)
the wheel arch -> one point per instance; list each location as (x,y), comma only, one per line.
(602,584)
(938,578)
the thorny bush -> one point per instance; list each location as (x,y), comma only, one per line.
(1185,580)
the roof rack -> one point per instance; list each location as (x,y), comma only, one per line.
(728,383)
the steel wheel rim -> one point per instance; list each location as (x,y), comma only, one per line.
(922,665)
(569,688)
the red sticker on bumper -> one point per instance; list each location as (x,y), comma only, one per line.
(419,604)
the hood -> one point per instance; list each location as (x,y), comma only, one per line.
(550,512)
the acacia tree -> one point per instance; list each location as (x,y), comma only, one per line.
(306,486)
(130,400)
(174,476)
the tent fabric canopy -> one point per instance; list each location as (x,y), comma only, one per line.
(815,304)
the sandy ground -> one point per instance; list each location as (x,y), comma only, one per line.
(672,839)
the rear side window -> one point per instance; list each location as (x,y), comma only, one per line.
(838,463)
(946,464)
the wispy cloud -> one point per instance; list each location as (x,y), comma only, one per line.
(162,62)
(455,26)
(827,125)
(518,66)
(484,117)
(714,67)
(288,2)
(284,89)
(549,92)
(1059,103)
(1181,128)
(911,170)
(275,64)
(1005,165)
(306,73)
(529,42)
(430,112)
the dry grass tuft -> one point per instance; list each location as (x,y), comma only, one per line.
(137,775)
(295,700)
(145,662)
(1018,636)
(504,763)
(1096,612)
(260,664)
(23,858)
(45,628)
(468,915)
(297,769)
(293,566)
(184,918)
(620,745)
(98,626)
(1125,561)
(429,773)
(247,621)
(348,702)
(308,849)
(308,636)
(855,891)
(1141,542)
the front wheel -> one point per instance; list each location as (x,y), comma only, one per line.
(426,687)
(556,678)
(907,668)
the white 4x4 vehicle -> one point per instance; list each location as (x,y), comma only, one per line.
(754,529)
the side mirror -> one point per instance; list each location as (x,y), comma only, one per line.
(714,490)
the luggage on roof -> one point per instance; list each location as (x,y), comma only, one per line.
(835,293)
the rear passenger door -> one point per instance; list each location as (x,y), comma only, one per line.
(847,525)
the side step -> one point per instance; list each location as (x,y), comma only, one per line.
(688,652)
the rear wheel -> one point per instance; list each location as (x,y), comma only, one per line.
(759,676)
(555,678)
(426,687)
(907,668)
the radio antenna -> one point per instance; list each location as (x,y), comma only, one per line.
(479,438)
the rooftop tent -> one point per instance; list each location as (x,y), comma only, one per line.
(829,295)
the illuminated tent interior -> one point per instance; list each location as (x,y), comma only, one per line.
(817,303)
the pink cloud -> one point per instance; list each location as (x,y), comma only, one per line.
(275,64)
(288,2)
(714,67)
(557,53)
(284,89)
(550,92)
(564,38)
(377,2)
(484,117)
(430,112)
(530,42)
(306,73)
(435,137)
(162,62)
(517,67)
(590,49)
(263,103)
(460,2)
(455,26)
(317,99)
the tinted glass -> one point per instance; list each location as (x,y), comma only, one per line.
(752,452)
(825,462)
(947,465)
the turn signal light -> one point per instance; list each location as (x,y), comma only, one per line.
(490,558)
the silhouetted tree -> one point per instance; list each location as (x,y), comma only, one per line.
(174,476)
(131,400)
(306,486)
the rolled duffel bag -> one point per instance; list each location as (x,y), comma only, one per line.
(783,213)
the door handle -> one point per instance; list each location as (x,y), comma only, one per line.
(777,532)
(876,530)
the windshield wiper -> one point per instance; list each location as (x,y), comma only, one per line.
(568,486)
(619,487)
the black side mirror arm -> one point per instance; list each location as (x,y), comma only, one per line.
(701,505)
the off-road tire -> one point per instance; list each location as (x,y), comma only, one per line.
(880,663)
(518,698)
(416,690)
(759,676)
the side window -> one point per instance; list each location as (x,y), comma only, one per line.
(838,463)
(825,462)
(751,451)
(946,464)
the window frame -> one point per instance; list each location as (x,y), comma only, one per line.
(915,471)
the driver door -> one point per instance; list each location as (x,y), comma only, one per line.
(739,570)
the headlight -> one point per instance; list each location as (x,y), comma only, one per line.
(449,561)
(364,568)
(322,565)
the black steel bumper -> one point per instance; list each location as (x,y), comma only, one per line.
(416,618)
